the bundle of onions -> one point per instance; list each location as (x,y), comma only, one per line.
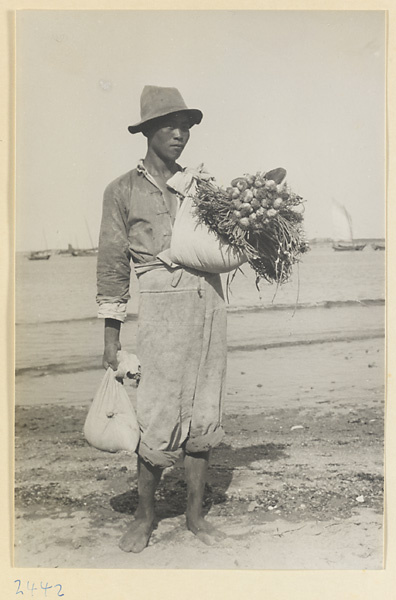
(259,215)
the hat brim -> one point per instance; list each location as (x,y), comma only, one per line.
(194,115)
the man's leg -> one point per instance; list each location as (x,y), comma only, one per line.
(138,534)
(196,467)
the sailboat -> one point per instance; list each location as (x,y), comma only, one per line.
(40,254)
(378,246)
(343,231)
(92,251)
(72,251)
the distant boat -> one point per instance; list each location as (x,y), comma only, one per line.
(39,255)
(81,252)
(86,251)
(349,246)
(343,232)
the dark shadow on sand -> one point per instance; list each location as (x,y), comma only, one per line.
(171,495)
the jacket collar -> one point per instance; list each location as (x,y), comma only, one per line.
(141,169)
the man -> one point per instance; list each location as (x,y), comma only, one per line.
(181,341)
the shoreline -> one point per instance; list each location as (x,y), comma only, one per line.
(248,330)
(296,483)
(240,308)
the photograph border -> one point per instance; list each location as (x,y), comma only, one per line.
(148,584)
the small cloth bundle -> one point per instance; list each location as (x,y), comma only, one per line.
(111,424)
(128,366)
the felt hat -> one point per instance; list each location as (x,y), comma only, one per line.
(157,102)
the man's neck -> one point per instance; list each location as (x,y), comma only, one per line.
(158,167)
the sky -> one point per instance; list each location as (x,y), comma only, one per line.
(304,90)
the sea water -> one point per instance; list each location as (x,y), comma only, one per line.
(57,328)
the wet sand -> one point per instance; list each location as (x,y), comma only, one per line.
(296,483)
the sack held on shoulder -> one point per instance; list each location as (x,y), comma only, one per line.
(193,245)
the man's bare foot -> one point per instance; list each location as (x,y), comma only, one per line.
(207,533)
(137,536)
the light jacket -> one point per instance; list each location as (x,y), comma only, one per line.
(136,225)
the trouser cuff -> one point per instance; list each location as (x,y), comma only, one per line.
(158,458)
(203,443)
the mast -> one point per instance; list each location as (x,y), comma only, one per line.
(89,233)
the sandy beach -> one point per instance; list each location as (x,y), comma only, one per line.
(296,484)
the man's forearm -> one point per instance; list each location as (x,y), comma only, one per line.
(112,331)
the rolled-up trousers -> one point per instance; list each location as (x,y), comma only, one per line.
(182,349)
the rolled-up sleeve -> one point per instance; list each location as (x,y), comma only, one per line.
(112,310)
(113,266)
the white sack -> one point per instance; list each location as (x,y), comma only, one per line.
(193,244)
(111,423)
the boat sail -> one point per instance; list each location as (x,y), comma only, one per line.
(343,230)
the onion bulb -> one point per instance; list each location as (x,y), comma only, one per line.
(244,223)
(240,183)
(299,209)
(247,196)
(236,203)
(261,213)
(278,202)
(246,208)
(255,204)
(259,182)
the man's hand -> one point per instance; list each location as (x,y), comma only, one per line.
(110,355)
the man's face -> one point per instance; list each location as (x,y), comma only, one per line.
(170,136)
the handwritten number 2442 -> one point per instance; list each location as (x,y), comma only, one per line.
(32,588)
